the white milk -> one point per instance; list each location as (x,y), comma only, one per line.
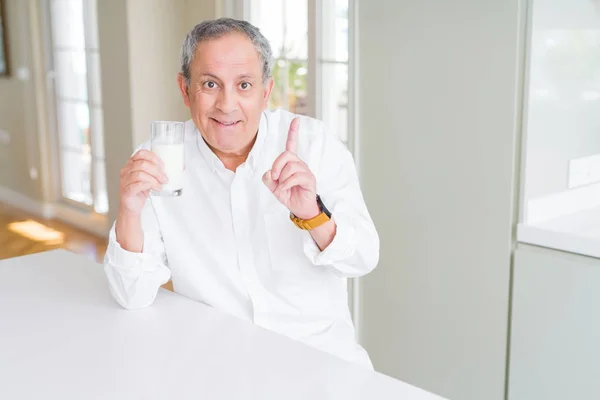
(172,157)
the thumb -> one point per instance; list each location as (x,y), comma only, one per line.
(268,181)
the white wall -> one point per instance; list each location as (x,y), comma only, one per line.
(199,10)
(438,98)
(156,31)
(19,111)
(556,325)
(116,94)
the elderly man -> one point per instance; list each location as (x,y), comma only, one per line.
(271,219)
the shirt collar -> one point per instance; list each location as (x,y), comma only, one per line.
(213,161)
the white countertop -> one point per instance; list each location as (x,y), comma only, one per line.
(63,337)
(578,233)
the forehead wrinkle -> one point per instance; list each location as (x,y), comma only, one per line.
(216,69)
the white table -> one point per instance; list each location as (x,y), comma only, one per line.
(63,337)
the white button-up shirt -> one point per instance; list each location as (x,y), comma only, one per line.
(229,243)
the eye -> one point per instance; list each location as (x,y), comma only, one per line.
(245,85)
(210,85)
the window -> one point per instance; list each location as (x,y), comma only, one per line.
(310,42)
(76,112)
(333,64)
(561,204)
(284,23)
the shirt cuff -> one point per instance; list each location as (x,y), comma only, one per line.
(122,258)
(341,247)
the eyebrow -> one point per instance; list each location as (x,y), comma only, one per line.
(210,75)
(242,76)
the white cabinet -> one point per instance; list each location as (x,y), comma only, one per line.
(555,335)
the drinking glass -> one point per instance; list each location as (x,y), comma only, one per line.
(167,143)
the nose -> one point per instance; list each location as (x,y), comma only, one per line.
(227,102)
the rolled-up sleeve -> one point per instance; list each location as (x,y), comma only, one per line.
(134,278)
(354,250)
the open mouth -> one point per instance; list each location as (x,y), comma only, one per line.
(225,123)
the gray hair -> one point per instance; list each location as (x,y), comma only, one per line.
(217,28)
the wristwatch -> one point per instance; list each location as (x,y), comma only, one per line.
(320,219)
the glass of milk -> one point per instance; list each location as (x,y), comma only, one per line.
(167,143)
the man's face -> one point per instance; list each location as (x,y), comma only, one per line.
(226,95)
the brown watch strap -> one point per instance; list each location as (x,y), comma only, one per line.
(308,224)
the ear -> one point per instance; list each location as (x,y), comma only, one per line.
(183,88)
(267,88)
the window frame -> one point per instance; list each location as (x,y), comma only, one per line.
(57,149)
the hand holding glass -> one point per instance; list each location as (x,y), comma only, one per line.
(167,143)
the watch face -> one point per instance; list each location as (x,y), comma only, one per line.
(322,207)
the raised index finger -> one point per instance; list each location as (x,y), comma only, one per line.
(292,140)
